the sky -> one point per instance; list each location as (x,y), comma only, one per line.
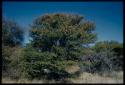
(107,16)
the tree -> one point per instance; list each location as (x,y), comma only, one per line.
(12,37)
(57,43)
(12,34)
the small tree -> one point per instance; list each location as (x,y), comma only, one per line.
(12,34)
(12,37)
(57,43)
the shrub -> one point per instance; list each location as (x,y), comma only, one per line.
(10,64)
(100,62)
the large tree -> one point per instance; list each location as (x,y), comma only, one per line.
(57,44)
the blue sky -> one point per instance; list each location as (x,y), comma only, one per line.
(108,16)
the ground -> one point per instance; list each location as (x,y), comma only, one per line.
(114,77)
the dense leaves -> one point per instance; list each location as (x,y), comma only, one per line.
(57,41)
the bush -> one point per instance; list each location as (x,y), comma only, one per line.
(100,62)
(11,58)
(115,52)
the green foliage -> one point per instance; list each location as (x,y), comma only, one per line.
(12,34)
(69,34)
(57,41)
(34,62)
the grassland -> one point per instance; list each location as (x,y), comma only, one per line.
(114,77)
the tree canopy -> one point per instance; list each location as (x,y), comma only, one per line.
(57,42)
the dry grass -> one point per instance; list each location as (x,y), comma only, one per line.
(115,77)
(72,69)
(95,78)
(9,81)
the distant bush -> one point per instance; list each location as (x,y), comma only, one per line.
(10,62)
(12,37)
(112,47)
(12,33)
(98,62)
(104,56)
